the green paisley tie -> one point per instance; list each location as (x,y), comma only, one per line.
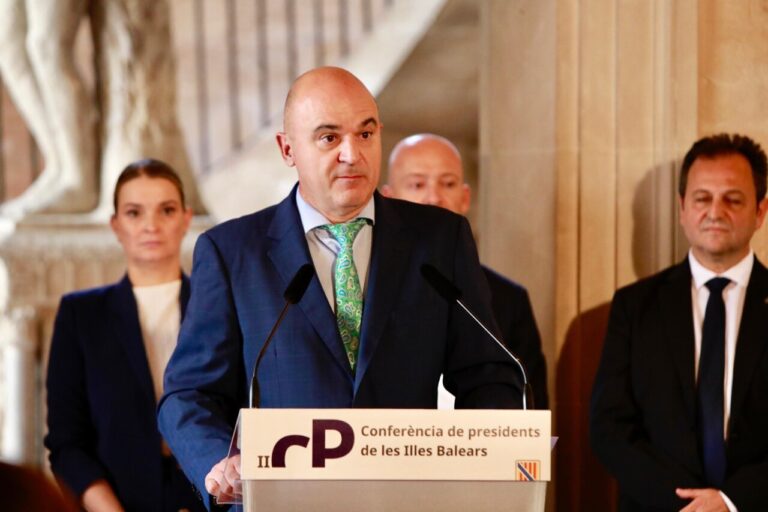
(346,285)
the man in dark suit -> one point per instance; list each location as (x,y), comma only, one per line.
(679,410)
(426,168)
(383,342)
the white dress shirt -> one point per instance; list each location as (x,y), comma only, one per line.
(323,248)
(733,296)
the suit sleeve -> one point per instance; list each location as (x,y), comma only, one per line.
(616,424)
(71,436)
(748,487)
(478,373)
(204,378)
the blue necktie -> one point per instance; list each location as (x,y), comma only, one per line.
(710,387)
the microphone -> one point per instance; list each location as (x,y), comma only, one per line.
(293,294)
(449,292)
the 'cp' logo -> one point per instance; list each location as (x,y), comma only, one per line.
(320,452)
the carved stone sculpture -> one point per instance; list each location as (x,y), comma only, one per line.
(87,139)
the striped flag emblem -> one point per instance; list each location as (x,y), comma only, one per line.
(527,470)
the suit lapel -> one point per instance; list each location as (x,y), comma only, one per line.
(127,331)
(184,295)
(389,257)
(753,335)
(289,251)
(677,314)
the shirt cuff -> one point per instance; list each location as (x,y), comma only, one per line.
(728,502)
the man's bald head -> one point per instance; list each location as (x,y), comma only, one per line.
(321,84)
(422,143)
(426,168)
(332,136)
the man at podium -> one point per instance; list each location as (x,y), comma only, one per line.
(369,331)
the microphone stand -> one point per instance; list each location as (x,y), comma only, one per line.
(449,292)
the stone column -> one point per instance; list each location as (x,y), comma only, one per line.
(20,348)
(517,185)
(517,150)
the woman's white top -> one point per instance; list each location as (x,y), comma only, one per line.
(159,317)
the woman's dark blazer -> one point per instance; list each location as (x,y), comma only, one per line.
(101,402)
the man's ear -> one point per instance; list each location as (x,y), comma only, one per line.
(762,208)
(466,198)
(386,190)
(286,149)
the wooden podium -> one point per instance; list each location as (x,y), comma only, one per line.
(371,460)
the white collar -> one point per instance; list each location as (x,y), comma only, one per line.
(311,218)
(738,274)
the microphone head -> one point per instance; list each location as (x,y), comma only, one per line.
(440,283)
(298,285)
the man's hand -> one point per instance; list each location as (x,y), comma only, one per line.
(223,480)
(702,500)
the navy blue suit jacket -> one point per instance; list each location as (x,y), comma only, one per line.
(409,334)
(643,416)
(514,314)
(101,402)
